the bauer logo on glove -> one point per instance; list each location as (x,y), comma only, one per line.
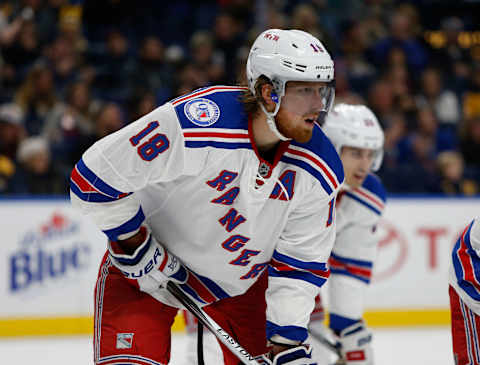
(151,265)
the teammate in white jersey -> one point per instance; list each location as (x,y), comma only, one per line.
(207,191)
(356,134)
(465,295)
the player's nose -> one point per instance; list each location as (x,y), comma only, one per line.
(318,102)
(366,163)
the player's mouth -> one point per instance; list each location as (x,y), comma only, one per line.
(359,177)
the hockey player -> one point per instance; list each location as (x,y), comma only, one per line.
(464,293)
(356,134)
(206,191)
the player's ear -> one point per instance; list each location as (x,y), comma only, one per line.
(268,97)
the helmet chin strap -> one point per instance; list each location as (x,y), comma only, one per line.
(271,121)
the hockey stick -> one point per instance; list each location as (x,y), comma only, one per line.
(208,322)
(200,344)
(317,335)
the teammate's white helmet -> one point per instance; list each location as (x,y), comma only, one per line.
(355,126)
(290,55)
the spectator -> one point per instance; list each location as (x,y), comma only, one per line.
(110,119)
(21,52)
(471,99)
(151,71)
(305,17)
(453,181)
(36,97)
(450,57)
(11,129)
(359,71)
(399,80)
(68,125)
(418,152)
(11,133)
(436,140)
(64,61)
(142,102)
(470,142)
(227,38)
(113,67)
(444,102)
(70,26)
(401,36)
(206,59)
(36,174)
(343,92)
(380,100)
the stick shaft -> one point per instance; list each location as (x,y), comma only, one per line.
(209,323)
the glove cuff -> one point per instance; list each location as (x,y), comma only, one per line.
(148,256)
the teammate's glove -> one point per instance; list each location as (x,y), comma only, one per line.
(299,355)
(355,345)
(151,265)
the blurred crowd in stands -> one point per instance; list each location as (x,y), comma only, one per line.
(73,71)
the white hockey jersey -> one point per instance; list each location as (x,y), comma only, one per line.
(358,212)
(189,170)
(465,268)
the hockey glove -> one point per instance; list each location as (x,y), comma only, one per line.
(355,345)
(151,264)
(299,355)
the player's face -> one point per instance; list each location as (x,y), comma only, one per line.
(300,108)
(357,163)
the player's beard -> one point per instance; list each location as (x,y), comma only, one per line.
(299,133)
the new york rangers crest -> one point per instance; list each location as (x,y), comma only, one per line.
(202,112)
(124,340)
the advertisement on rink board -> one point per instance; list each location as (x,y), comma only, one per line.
(50,256)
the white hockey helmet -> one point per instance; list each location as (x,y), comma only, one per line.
(355,126)
(290,55)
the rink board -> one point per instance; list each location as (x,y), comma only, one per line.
(50,257)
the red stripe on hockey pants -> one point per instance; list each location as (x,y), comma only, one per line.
(465,331)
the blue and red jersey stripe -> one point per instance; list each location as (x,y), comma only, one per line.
(218,138)
(358,269)
(288,267)
(85,184)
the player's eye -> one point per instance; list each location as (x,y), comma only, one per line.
(357,153)
(306,90)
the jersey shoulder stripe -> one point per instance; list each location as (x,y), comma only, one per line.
(217,137)
(466,264)
(374,185)
(371,194)
(319,158)
(213,107)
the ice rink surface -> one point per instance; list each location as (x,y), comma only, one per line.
(423,346)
